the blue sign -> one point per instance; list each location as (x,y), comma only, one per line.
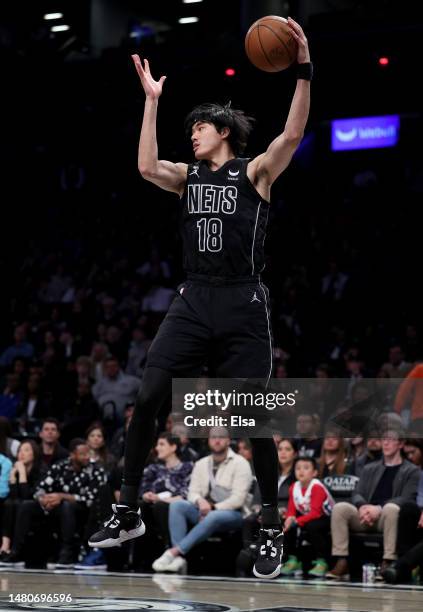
(365,132)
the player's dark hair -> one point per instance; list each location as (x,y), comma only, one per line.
(239,124)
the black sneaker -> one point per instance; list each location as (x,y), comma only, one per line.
(11,559)
(124,524)
(65,560)
(269,560)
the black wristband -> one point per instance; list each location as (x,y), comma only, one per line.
(305,71)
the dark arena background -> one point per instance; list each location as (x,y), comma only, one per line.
(91,256)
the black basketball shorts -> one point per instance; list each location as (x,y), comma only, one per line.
(222,323)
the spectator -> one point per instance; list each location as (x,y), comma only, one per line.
(309,507)
(23,479)
(384,487)
(411,390)
(373,452)
(81,412)
(115,389)
(8,445)
(410,525)
(84,370)
(335,471)
(164,482)
(11,397)
(216,497)
(99,354)
(137,353)
(158,298)
(396,366)
(309,445)
(244,449)
(21,348)
(51,450)
(99,452)
(65,495)
(33,406)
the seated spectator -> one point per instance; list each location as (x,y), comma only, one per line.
(410,526)
(309,508)
(137,353)
(23,479)
(21,348)
(384,487)
(372,452)
(308,444)
(115,389)
(164,482)
(33,406)
(64,495)
(99,354)
(51,449)
(99,453)
(335,471)
(80,413)
(10,397)
(217,494)
(8,445)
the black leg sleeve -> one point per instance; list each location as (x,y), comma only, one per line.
(407,527)
(265,459)
(155,391)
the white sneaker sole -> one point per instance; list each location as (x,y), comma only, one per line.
(124,536)
(90,567)
(274,574)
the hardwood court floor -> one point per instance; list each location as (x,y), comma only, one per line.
(131,592)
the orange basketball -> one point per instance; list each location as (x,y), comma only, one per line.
(270,45)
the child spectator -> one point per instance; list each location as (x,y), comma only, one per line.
(309,508)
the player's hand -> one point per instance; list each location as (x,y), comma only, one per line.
(297,32)
(153,89)
(420,523)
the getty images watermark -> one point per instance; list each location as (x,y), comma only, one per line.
(262,408)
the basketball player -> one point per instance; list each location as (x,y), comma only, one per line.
(222,310)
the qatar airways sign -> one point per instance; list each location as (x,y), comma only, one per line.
(365,132)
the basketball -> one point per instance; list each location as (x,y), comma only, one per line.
(269,44)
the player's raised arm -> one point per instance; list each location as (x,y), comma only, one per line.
(273,162)
(164,174)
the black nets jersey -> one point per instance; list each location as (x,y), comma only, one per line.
(223,223)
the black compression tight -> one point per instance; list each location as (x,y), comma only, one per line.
(265,459)
(154,393)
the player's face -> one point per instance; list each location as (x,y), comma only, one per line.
(205,139)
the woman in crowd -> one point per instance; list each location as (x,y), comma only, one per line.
(23,479)
(99,453)
(335,471)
